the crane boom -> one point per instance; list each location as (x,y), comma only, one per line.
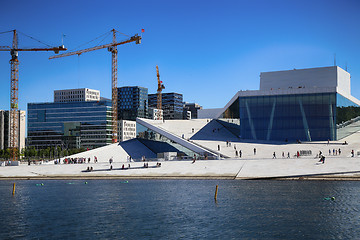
(132,39)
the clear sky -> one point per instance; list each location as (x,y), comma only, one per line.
(207,50)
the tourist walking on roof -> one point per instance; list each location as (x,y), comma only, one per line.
(218,147)
(236,153)
(254,151)
(274,155)
(352,153)
(288,155)
(240,153)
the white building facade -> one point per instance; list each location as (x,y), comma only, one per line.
(127,130)
(76,95)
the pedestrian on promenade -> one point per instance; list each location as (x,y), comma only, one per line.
(329,152)
(322,158)
(288,155)
(234,146)
(297,154)
(240,153)
(283,154)
(352,153)
(236,153)
(254,151)
(218,147)
(274,155)
(339,151)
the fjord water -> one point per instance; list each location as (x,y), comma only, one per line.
(179,209)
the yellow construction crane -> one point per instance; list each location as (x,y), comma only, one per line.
(159,89)
(112,47)
(14,88)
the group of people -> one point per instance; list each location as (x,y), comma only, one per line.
(335,152)
(76,160)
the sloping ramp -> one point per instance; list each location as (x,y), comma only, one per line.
(183,142)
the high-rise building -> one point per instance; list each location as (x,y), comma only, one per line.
(5,129)
(172,104)
(132,103)
(76,95)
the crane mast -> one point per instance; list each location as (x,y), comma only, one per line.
(14,89)
(112,47)
(114,52)
(14,98)
(159,90)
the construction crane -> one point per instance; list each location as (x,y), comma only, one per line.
(14,88)
(112,47)
(159,89)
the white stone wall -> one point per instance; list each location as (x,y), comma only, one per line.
(323,77)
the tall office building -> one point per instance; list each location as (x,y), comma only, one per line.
(77,118)
(172,104)
(70,124)
(132,103)
(5,129)
(76,95)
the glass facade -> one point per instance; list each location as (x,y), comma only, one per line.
(132,103)
(70,124)
(304,117)
(347,117)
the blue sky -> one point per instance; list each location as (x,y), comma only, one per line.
(206,50)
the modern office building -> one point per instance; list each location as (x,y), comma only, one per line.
(301,104)
(172,105)
(84,124)
(76,95)
(132,103)
(5,129)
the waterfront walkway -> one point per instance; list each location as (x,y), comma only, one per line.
(334,167)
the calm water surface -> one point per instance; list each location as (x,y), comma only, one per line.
(179,209)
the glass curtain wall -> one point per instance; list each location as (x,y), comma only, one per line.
(75,124)
(148,134)
(304,117)
(347,117)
